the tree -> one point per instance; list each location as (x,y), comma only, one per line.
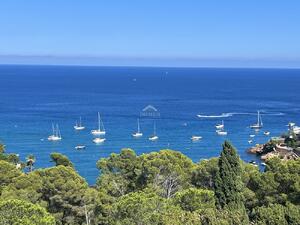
(167,171)
(147,208)
(7,173)
(203,175)
(18,212)
(228,184)
(59,189)
(271,215)
(120,173)
(193,199)
(30,160)
(60,159)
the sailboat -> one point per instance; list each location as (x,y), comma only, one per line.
(154,137)
(138,133)
(79,126)
(99,131)
(220,126)
(56,136)
(259,123)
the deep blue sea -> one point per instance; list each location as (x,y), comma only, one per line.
(34,97)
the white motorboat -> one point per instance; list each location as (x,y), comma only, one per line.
(79,126)
(221,132)
(259,123)
(138,133)
(267,133)
(80,147)
(101,129)
(252,135)
(196,138)
(250,141)
(99,140)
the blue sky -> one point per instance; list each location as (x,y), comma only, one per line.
(254,33)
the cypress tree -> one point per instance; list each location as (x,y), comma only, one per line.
(228,183)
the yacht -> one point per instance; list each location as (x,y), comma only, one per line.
(138,133)
(80,147)
(259,123)
(221,132)
(99,140)
(56,136)
(99,131)
(196,138)
(79,126)
(154,137)
(220,126)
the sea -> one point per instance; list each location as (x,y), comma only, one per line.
(181,102)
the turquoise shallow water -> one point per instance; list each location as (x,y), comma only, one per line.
(32,97)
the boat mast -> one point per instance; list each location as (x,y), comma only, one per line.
(138,123)
(99,121)
(80,121)
(154,129)
(53,129)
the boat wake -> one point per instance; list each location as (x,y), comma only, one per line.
(230,114)
(223,115)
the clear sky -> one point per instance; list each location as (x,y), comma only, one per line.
(262,33)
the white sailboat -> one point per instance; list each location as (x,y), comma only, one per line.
(99,131)
(99,140)
(138,133)
(154,137)
(56,136)
(259,123)
(79,126)
(220,126)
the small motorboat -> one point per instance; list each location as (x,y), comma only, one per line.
(221,132)
(99,140)
(263,164)
(267,133)
(252,135)
(250,141)
(80,147)
(196,138)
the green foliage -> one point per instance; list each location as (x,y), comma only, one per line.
(193,199)
(159,188)
(8,171)
(149,209)
(60,159)
(204,173)
(18,212)
(59,189)
(228,183)
(272,215)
